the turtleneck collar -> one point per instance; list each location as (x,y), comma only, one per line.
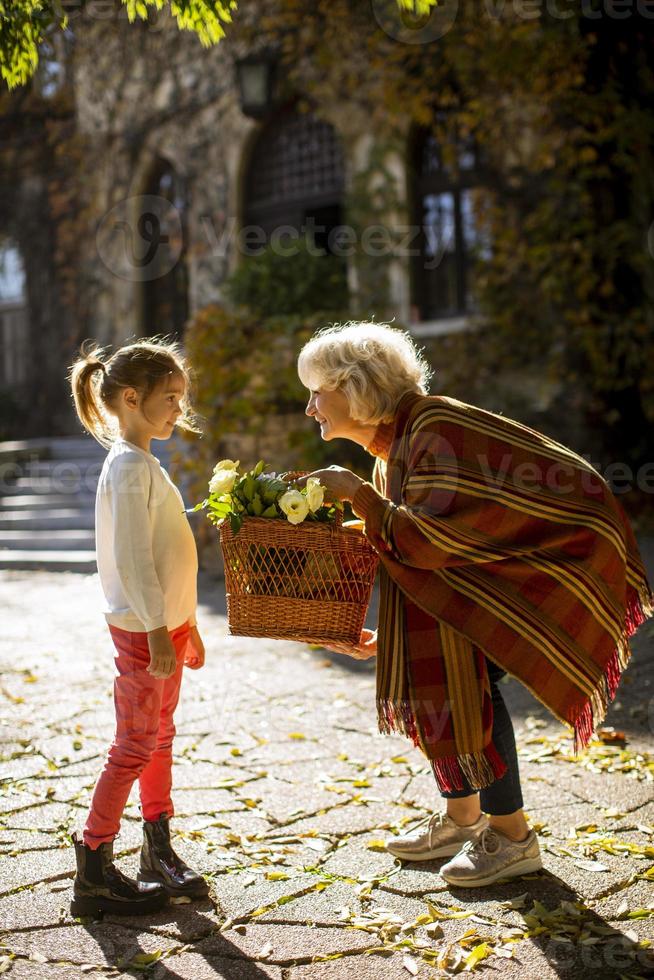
(381,441)
(386,431)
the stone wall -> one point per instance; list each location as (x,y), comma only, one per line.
(150,92)
(147,92)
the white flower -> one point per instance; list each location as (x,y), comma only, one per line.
(315,494)
(227,464)
(294,505)
(222,481)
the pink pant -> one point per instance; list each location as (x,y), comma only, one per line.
(142,745)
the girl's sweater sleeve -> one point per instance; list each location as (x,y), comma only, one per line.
(129,489)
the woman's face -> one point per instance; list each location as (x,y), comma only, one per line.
(331,410)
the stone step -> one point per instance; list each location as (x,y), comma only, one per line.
(34,501)
(53,540)
(43,519)
(47,502)
(51,561)
(61,469)
(43,487)
(72,446)
(69,447)
(81,491)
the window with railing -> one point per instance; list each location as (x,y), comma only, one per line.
(445,181)
(13,315)
(295,179)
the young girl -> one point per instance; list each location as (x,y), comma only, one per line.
(147,562)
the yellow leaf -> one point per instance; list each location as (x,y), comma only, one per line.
(298,736)
(376,845)
(236,752)
(144,960)
(276,876)
(478,953)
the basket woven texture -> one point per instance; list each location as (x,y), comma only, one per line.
(310,582)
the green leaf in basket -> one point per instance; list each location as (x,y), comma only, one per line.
(258,469)
(235,522)
(257,506)
(249,488)
(270,511)
(270,489)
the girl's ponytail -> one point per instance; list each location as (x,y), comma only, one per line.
(86,376)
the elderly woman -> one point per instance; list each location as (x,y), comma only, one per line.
(501,551)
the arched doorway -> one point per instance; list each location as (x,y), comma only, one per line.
(165,291)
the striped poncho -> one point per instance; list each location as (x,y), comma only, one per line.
(498,542)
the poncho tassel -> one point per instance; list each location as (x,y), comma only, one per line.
(480,769)
(395,716)
(639,608)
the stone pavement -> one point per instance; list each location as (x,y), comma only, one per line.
(285,794)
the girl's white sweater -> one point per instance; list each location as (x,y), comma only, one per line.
(147,559)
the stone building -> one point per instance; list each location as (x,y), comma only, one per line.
(171,164)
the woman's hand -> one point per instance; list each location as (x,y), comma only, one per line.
(339,483)
(363,650)
(194,656)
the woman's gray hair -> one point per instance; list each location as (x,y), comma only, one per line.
(373,364)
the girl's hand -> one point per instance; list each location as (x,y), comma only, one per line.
(163,659)
(339,483)
(363,650)
(194,657)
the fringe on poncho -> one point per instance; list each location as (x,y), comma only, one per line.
(496,542)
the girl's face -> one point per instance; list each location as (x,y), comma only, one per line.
(159,412)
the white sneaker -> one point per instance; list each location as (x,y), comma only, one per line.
(434,837)
(492,857)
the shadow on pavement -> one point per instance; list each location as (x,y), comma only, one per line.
(197,931)
(575,940)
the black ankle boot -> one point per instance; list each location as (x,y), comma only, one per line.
(160,863)
(100,887)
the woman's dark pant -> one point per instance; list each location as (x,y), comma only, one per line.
(504,795)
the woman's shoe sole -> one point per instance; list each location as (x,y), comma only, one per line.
(528,866)
(440,852)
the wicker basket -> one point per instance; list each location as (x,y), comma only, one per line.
(310,582)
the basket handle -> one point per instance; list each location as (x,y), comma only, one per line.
(293,475)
